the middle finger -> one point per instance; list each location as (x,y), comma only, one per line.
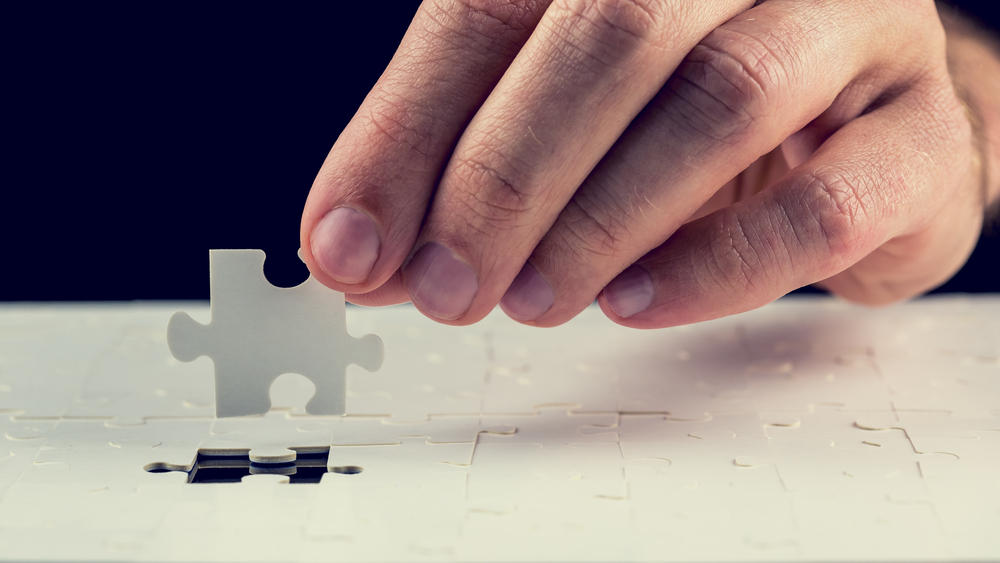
(588,69)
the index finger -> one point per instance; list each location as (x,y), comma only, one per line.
(369,198)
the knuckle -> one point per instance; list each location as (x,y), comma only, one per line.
(492,193)
(404,125)
(496,26)
(820,227)
(727,85)
(736,267)
(512,14)
(945,123)
(835,205)
(606,33)
(592,230)
(387,128)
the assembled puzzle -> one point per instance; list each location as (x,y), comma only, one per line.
(808,430)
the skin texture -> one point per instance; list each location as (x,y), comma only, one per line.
(676,160)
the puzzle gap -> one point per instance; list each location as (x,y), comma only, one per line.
(233,467)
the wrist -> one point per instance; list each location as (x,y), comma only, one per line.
(974,65)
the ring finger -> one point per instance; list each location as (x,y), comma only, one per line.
(740,92)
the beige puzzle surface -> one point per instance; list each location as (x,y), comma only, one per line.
(809,430)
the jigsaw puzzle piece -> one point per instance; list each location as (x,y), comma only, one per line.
(812,324)
(701,473)
(562,539)
(85,482)
(369,431)
(799,360)
(241,390)
(563,493)
(259,332)
(290,393)
(21,442)
(34,536)
(824,454)
(412,455)
(940,326)
(571,363)
(808,351)
(94,453)
(138,378)
(546,477)
(107,523)
(433,369)
(61,348)
(272,438)
(964,496)
(688,373)
(351,513)
(884,530)
(333,511)
(941,354)
(828,468)
(21,433)
(552,425)
(260,521)
(974,443)
(802,380)
(746,524)
(961,385)
(30,320)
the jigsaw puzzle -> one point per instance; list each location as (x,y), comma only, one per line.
(809,430)
(259,332)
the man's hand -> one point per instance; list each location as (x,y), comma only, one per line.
(679,160)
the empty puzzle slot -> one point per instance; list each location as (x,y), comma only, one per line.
(232,468)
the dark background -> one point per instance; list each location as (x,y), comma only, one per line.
(140,137)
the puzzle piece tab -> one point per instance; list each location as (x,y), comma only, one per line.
(259,332)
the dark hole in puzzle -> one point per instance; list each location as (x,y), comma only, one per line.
(307,468)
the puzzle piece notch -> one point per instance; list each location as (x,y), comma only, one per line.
(971,442)
(259,332)
(824,453)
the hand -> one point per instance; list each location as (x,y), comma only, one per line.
(679,160)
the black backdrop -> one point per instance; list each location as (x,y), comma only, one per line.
(139,138)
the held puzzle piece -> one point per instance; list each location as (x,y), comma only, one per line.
(259,332)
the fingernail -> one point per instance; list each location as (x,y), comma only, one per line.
(441,284)
(345,243)
(528,296)
(630,293)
